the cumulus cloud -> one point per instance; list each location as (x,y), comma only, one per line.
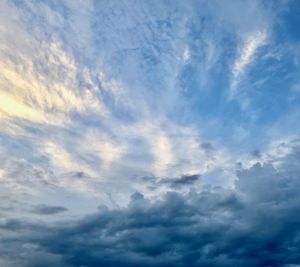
(211,227)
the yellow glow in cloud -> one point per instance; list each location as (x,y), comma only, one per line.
(48,95)
(11,107)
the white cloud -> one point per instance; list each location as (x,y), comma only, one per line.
(62,160)
(246,55)
(73,101)
(162,151)
(103,148)
(40,80)
(186,55)
(48,95)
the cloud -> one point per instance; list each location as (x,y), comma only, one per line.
(72,107)
(246,55)
(174,183)
(96,96)
(212,227)
(103,93)
(247,51)
(48,210)
(184,180)
(30,94)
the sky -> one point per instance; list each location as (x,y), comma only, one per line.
(149,133)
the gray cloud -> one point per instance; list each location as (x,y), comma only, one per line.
(184,180)
(174,182)
(257,224)
(48,210)
(208,147)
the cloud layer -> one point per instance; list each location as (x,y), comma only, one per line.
(149,133)
(254,225)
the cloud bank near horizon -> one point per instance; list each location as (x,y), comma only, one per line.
(254,225)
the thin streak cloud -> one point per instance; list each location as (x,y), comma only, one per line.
(246,55)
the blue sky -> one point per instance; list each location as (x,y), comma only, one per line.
(107,103)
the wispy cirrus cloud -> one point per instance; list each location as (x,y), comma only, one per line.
(247,51)
(31,94)
(50,93)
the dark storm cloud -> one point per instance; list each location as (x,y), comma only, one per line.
(48,210)
(257,224)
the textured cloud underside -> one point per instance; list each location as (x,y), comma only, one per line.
(253,225)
